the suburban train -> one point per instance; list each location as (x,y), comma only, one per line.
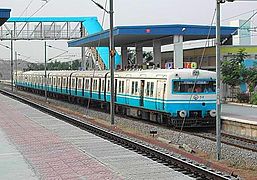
(176,97)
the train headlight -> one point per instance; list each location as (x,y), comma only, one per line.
(183,113)
(213,113)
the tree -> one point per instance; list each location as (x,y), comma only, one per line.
(75,65)
(147,56)
(233,70)
(250,76)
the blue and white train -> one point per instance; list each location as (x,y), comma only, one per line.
(177,97)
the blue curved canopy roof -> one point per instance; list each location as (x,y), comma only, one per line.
(4,15)
(144,35)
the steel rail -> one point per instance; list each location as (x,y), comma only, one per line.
(228,140)
(180,164)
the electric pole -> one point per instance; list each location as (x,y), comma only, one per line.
(112,55)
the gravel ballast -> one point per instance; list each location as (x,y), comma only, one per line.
(236,157)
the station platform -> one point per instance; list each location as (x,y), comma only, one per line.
(239,120)
(34,145)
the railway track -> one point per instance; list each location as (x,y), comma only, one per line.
(167,158)
(240,142)
(236,141)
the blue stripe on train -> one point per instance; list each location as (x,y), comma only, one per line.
(168,106)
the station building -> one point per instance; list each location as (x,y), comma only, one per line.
(209,58)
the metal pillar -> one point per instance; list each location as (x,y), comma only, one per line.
(124,56)
(45,74)
(178,51)
(16,66)
(12,60)
(83,55)
(218,103)
(157,55)
(112,55)
(139,55)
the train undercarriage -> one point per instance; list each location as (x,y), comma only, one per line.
(124,110)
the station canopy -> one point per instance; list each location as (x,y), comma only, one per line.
(129,36)
(4,15)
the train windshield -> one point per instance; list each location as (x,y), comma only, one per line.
(192,86)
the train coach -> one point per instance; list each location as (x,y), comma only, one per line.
(177,97)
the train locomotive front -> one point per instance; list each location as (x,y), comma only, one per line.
(192,98)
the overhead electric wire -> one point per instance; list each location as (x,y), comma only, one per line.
(232,17)
(27,7)
(103,18)
(53,47)
(46,2)
(233,33)
(8,47)
(200,64)
(35,12)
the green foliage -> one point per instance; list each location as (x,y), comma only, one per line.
(241,55)
(233,70)
(254,98)
(147,56)
(55,65)
(243,97)
(250,77)
(35,67)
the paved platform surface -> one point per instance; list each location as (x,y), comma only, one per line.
(240,112)
(42,147)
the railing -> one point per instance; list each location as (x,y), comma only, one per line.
(97,58)
(39,35)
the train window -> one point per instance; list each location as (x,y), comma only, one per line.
(87,84)
(54,83)
(73,82)
(79,83)
(136,87)
(151,89)
(103,86)
(95,85)
(194,86)
(122,86)
(59,82)
(147,89)
(64,82)
(108,86)
(133,87)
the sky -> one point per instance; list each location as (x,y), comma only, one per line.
(126,12)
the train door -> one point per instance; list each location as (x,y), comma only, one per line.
(105,85)
(91,84)
(83,86)
(99,89)
(115,90)
(76,86)
(142,87)
(161,88)
(61,84)
(127,91)
(67,84)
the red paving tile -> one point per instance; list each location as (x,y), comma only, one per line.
(51,157)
